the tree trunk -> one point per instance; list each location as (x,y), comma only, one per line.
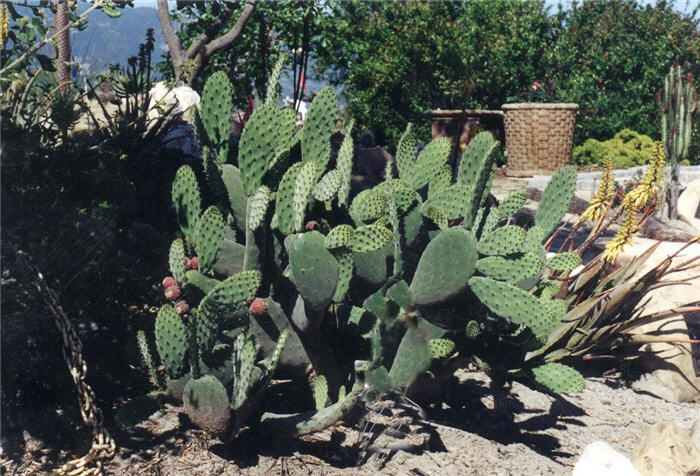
(60,22)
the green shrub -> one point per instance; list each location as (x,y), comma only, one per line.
(626,149)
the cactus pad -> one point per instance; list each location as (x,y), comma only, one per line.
(200,281)
(206,403)
(559,378)
(440,348)
(533,240)
(511,303)
(368,205)
(318,127)
(511,204)
(436,215)
(344,165)
(511,270)
(445,267)
(328,186)
(402,193)
(236,290)
(320,392)
(429,162)
(217,105)
(339,236)
(441,180)
(176,260)
(412,358)
(285,199)
(406,153)
(556,199)
(258,204)
(314,269)
(306,179)
(244,352)
(210,233)
(453,200)
(370,238)
(186,200)
(564,262)
(345,267)
(268,130)
(502,241)
(237,198)
(171,341)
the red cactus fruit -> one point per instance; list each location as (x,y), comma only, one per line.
(311,225)
(187,263)
(172,293)
(181,307)
(169,282)
(258,306)
(194,263)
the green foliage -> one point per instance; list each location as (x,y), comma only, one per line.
(559,378)
(556,199)
(171,341)
(626,149)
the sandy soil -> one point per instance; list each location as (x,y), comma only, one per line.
(471,432)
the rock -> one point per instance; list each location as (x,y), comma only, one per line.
(179,99)
(671,363)
(689,205)
(181,138)
(672,230)
(601,459)
(667,450)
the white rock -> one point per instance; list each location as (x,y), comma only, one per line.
(689,204)
(601,459)
(164,97)
(667,450)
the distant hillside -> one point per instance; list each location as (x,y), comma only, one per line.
(113,40)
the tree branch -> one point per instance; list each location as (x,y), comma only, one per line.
(233,34)
(215,27)
(171,38)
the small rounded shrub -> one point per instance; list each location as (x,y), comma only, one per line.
(626,149)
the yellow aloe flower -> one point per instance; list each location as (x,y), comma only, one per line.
(623,237)
(645,190)
(4,24)
(603,197)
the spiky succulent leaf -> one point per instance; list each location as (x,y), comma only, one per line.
(502,241)
(412,358)
(200,281)
(402,193)
(475,157)
(320,392)
(556,199)
(147,359)
(370,238)
(406,153)
(237,198)
(275,359)
(257,206)
(339,236)
(268,130)
(564,261)
(244,351)
(176,260)
(533,240)
(186,200)
(285,199)
(429,161)
(445,267)
(171,341)
(236,290)
(306,179)
(318,128)
(272,87)
(328,186)
(559,378)
(208,238)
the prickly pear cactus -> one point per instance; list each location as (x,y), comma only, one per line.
(559,378)
(171,341)
(556,199)
(185,195)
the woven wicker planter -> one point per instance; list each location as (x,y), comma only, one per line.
(539,137)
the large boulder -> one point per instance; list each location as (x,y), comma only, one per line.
(672,363)
(668,450)
(689,205)
(164,98)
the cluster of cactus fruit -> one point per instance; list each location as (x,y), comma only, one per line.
(369,293)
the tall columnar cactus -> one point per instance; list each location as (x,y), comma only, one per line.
(678,105)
